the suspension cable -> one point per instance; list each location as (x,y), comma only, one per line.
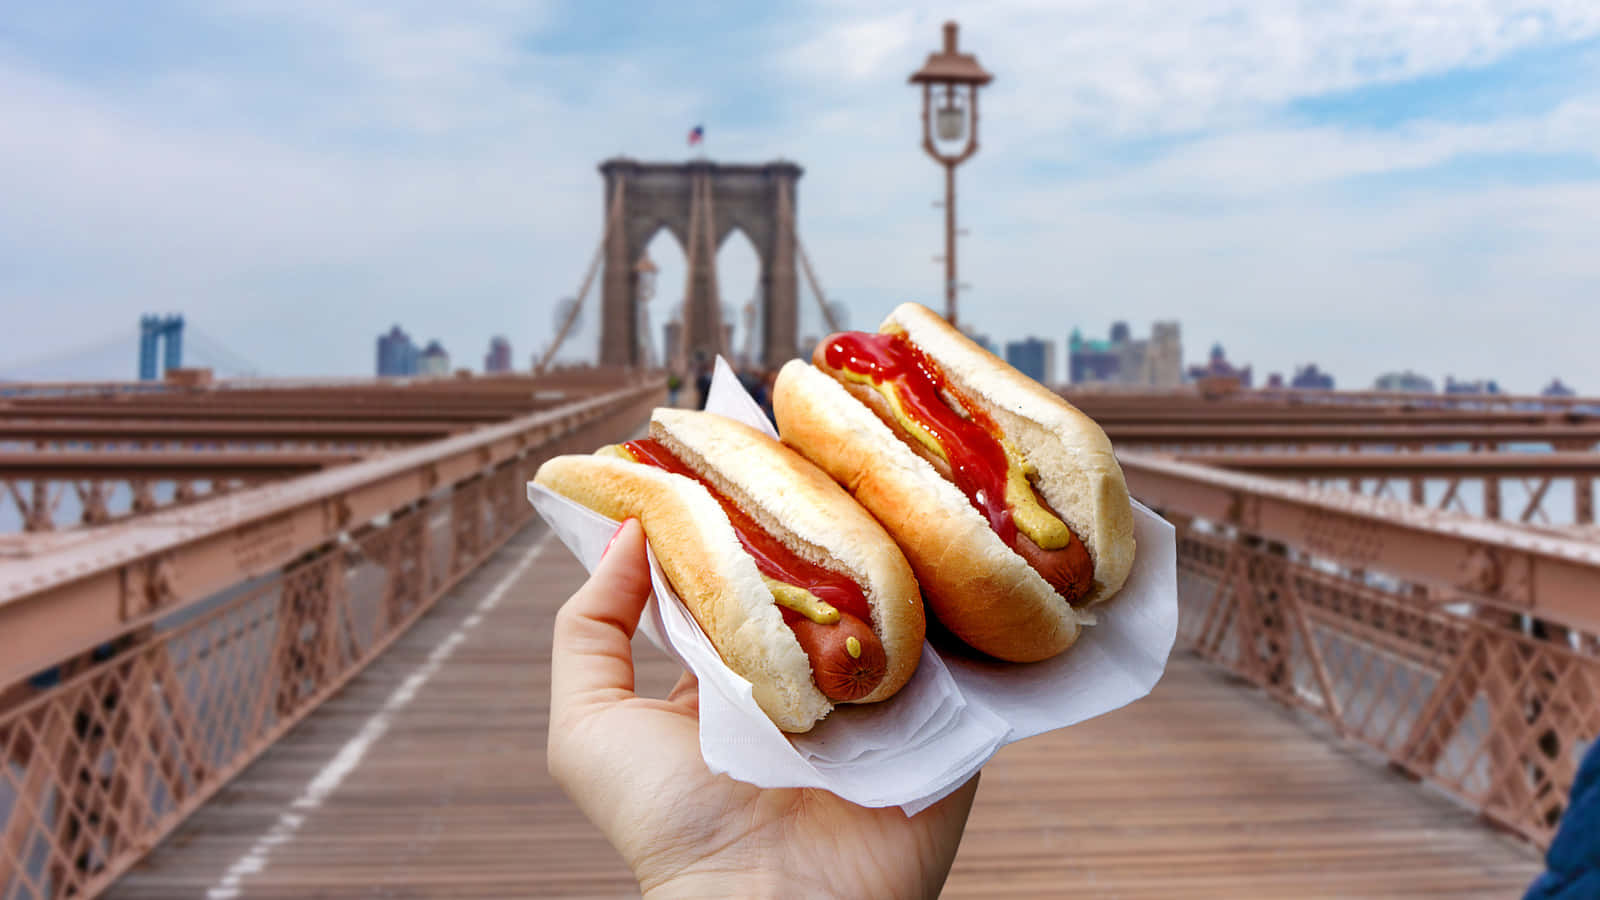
(786,209)
(612,215)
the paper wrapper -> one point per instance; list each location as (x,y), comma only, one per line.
(958,709)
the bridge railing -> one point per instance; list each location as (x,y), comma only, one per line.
(1552,488)
(145,669)
(1465,651)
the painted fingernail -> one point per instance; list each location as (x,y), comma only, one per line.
(613,538)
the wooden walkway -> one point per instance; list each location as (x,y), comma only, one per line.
(426,778)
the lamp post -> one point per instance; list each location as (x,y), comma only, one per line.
(953,78)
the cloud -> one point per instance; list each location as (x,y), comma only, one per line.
(1127,68)
(295,177)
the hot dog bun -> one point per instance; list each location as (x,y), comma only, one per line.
(718,580)
(982,590)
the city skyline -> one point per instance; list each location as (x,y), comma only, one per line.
(1352,186)
(407,358)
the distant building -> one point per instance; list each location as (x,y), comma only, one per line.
(434,360)
(1481,386)
(1153,362)
(1556,389)
(982,340)
(671,334)
(1407,381)
(1310,378)
(1034,358)
(498,359)
(397,355)
(1091,361)
(1218,367)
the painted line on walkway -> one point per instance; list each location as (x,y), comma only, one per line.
(349,756)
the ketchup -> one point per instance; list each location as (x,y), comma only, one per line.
(773,558)
(977,461)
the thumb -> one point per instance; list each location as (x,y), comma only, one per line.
(591,655)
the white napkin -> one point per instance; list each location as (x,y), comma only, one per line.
(957,711)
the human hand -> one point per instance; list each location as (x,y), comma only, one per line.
(633,765)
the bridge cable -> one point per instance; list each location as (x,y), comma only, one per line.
(786,214)
(207,348)
(612,215)
(72,360)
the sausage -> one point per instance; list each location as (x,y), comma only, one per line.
(1069,570)
(840,676)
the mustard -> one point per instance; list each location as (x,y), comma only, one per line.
(911,426)
(1033,520)
(802,601)
(616,451)
(852,646)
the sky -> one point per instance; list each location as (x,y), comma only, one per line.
(1369,186)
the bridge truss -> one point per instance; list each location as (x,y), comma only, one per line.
(1328,550)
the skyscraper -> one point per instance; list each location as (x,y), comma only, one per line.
(1033,357)
(1404,381)
(1479,386)
(498,359)
(1153,362)
(434,360)
(1309,377)
(397,355)
(671,337)
(1218,367)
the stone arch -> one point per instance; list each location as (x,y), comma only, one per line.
(645,231)
(667,253)
(755,199)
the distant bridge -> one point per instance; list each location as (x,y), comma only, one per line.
(700,203)
(157,344)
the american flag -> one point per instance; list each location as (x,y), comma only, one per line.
(696,135)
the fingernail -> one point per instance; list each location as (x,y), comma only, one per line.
(613,538)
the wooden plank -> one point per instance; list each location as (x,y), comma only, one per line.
(1205,789)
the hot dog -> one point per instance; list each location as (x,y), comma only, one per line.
(798,588)
(1007,500)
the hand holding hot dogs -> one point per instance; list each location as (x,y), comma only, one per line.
(683,831)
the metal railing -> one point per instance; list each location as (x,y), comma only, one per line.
(1465,651)
(132,690)
(149,662)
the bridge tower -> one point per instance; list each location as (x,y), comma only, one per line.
(155,335)
(700,203)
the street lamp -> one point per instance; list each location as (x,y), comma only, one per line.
(952,78)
